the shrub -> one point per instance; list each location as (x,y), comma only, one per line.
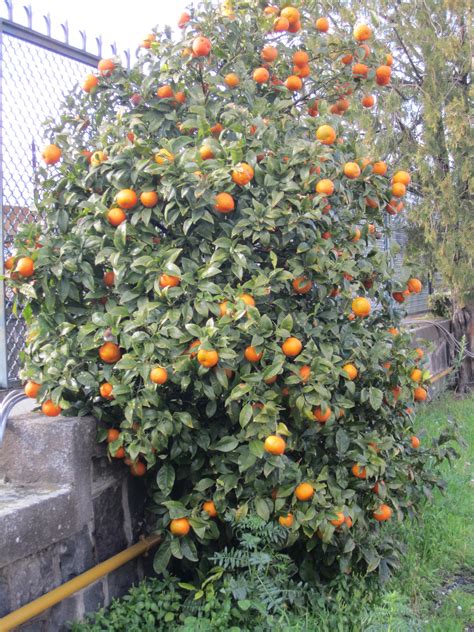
(440,303)
(208,284)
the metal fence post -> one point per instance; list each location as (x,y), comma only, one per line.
(3,320)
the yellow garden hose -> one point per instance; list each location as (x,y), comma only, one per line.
(36,607)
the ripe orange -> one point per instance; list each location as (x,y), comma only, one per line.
(305,372)
(50,409)
(321,416)
(97,158)
(379,168)
(270,10)
(158,375)
(209,507)
(398,189)
(274,445)
(286,521)
(294,83)
(347,59)
(180,97)
(302,71)
(337,522)
(382,75)
(359,472)
(368,101)
(112,435)
(388,59)
(169,280)
(415,442)
(90,82)
(149,199)
(420,394)
(110,352)
(361,306)
(247,299)
(106,67)
(360,70)
(51,154)
(119,453)
(25,267)
(183,19)
(180,527)
(362,32)
(304,491)
(326,134)
(269,53)
(109,278)
(242,174)
(217,129)
(165,92)
(32,389)
(416,375)
(207,358)
(419,352)
(251,354)
(261,75)
(224,203)
(126,199)
(232,80)
(116,216)
(163,156)
(201,46)
(105,390)
(351,371)
(382,513)
(138,469)
(403,177)
(355,237)
(302,285)
(351,170)
(292,347)
(9,263)
(393,330)
(415,285)
(300,58)
(206,152)
(291,14)
(322,25)
(281,24)
(325,187)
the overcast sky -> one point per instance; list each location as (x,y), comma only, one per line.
(125,22)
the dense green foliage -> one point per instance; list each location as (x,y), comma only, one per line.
(200,434)
(432,591)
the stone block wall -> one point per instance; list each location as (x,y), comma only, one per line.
(63,509)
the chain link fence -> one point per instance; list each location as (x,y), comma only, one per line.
(36,72)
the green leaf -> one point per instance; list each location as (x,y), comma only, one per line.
(342,441)
(226,444)
(375,397)
(162,558)
(165,478)
(262,508)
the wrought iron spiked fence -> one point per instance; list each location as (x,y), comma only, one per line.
(36,72)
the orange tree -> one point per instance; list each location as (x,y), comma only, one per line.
(207,283)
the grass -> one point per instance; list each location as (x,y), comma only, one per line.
(437,576)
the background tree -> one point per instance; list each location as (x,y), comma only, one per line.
(208,285)
(426,124)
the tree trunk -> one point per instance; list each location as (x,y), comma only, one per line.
(463,326)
